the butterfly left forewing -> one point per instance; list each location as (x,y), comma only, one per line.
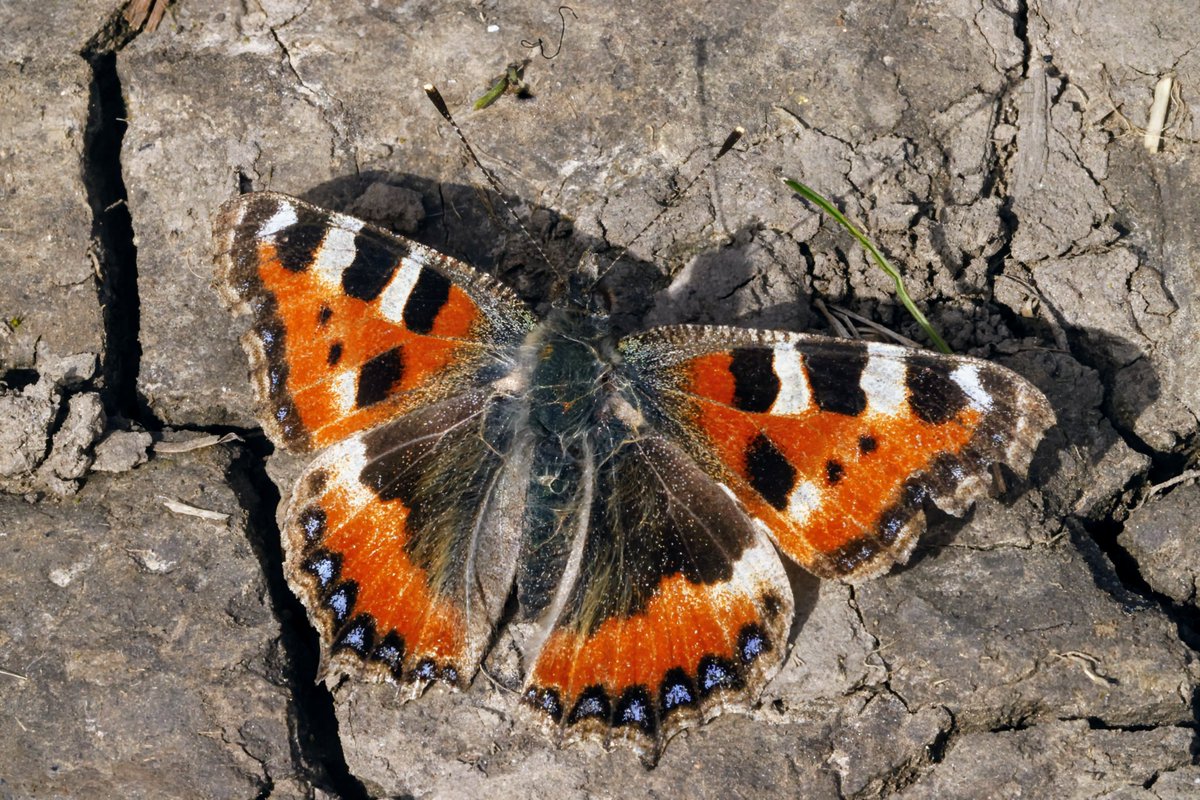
(835,445)
(352,325)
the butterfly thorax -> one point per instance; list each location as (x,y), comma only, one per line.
(571,357)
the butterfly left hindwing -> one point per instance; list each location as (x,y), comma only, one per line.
(679,605)
(402,541)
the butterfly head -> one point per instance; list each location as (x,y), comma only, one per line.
(584,290)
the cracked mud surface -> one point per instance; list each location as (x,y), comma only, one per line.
(1043,646)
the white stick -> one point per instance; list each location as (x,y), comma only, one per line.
(1158,113)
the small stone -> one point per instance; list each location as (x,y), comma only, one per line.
(70,455)
(121,451)
(392,207)
(1161,535)
(70,371)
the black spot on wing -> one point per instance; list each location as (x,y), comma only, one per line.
(752,643)
(313,521)
(277,375)
(769,471)
(545,700)
(315,482)
(755,384)
(425,301)
(867,444)
(891,523)
(676,690)
(341,601)
(294,432)
(324,315)
(377,377)
(325,566)
(373,266)
(715,673)
(854,554)
(834,471)
(271,333)
(273,337)
(426,670)
(297,244)
(390,652)
(772,604)
(932,393)
(947,470)
(835,376)
(548,701)
(335,354)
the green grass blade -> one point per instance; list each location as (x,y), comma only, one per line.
(493,94)
(878,257)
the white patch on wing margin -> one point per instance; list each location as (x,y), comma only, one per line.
(283,217)
(884,381)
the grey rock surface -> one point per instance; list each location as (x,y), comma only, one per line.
(49,427)
(992,150)
(1012,635)
(139,652)
(1160,535)
(1027,763)
(50,293)
(50,270)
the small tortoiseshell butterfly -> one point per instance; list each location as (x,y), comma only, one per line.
(635,495)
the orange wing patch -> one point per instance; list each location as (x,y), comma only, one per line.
(348,367)
(682,624)
(841,475)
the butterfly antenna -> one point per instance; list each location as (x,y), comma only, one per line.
(439,103)
(732,139)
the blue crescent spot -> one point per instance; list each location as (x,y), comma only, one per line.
(752,648)
(591,707)
(677,695)
(339,603)
(715,675)
(324,570)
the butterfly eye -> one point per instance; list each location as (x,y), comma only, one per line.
(603,299)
